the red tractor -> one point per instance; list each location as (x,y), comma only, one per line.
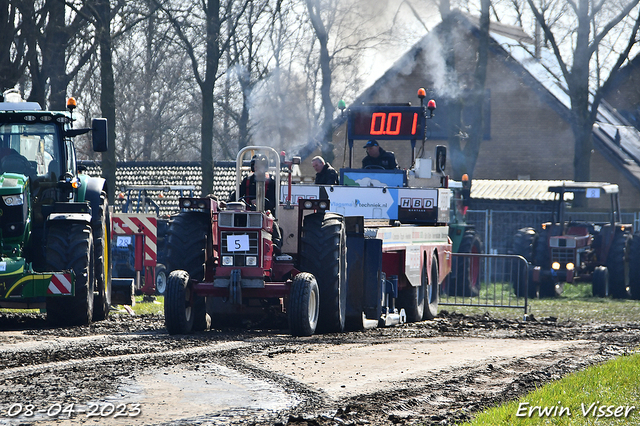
(235,262)
(566,250)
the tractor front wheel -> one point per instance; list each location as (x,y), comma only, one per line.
(304,305)
(178,304)
(161,279)
(600,284)
(70,246)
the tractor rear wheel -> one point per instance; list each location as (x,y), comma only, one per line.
(323,252)
(634,267)
(523,242)
(304,305)
(102,250)
(600,284)
(70,246)
(618,266)
(178,304)
(467,269)
(186,243)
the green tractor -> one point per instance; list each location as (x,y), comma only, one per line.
(54,222)
(465,278)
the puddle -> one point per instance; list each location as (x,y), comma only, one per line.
(212,393)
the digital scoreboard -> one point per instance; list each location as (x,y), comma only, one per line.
(386,122)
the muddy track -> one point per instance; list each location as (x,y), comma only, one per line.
(261,375)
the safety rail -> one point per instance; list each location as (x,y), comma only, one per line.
(487,280)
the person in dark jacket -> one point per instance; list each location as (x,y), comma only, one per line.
(378,157)
(248,188)
(325,174)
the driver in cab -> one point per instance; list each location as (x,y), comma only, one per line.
(248,185)
(378,158)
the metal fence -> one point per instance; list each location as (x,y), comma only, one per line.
(487,280)
(497,227)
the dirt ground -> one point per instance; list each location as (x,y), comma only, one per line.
(128,370)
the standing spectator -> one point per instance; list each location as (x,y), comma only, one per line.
(325,174)
(378,157)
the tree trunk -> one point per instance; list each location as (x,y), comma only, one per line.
(107,94)
(326,146)
(207,86)
(54,54)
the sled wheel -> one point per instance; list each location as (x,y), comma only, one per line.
(431,289)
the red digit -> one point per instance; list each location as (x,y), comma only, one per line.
(415,123)
(375,129)
(396,130)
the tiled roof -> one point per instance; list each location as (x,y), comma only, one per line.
(516,190)
(153,173)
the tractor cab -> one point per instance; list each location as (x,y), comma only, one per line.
(257,180)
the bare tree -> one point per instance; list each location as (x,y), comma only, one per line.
(205,55)
(13,46)
(585,36)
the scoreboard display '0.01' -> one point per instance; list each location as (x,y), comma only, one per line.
(386,122)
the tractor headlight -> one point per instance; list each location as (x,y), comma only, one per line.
(251,261)
(13,200)
(186,203)
(555,265)
(322,205)
(227,260)
(308,204)
(570,266)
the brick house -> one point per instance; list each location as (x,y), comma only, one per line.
(527,132)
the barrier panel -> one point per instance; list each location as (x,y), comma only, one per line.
(487,280)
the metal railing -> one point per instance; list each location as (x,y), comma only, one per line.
(487,280)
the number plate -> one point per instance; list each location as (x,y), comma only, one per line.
(237,242)
(123,241)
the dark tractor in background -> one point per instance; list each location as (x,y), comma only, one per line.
(565,250)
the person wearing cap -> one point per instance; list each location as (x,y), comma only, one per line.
(325,174)
(378,157)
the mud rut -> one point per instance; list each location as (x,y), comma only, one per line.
(41,366)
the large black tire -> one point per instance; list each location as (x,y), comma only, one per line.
(549,288)
(304,305)
(431,291)
(634,267)
(412,298)
(523,243)
(323,253)
(70,246)
(600,284)
(102,251)
(618,265)
(467,269)
(186,241)
(178,304)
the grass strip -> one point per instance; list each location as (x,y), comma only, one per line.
(608,393)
